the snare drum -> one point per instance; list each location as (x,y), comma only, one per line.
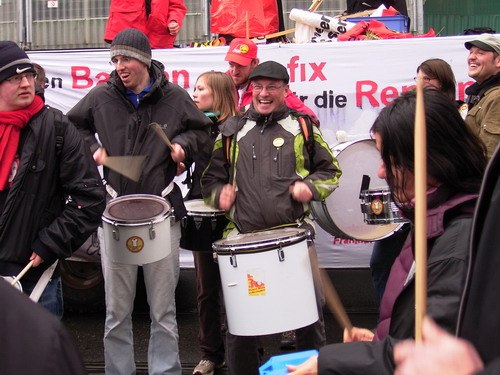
(378,208)
(265,276)
(202,226)
(339,214)
(17,284)
(136,229)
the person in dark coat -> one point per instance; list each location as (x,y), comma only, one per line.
(34,341)
(51,194)
(477,348)
(456,160)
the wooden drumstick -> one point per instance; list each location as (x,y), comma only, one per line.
(157,128)
(332,298)
(334,303)
(420,163)
(21,274)
(128,166)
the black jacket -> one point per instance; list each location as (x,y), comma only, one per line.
(448,229)
(35,216)
(124,130)
(34,341)
(479,319)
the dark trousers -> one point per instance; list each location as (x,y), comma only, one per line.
(208,285)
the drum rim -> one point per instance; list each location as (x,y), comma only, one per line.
(135,223)
(265,245)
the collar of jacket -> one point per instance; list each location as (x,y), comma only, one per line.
(157,71)
(478,89)
(278,114)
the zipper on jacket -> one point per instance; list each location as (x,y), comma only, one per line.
(254,158)
(277,160)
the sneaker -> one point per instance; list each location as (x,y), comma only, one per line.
(287,340)
(206,367)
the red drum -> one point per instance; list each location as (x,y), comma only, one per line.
(339,214)
(202,226)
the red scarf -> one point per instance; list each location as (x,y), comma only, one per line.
(11,124)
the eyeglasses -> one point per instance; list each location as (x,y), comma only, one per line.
(123,61)
(270,88)
(424,78)
(18,78)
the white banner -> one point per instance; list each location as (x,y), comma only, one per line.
(345,83)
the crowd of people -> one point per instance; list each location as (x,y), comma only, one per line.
(254,151)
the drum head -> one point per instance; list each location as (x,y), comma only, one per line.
(344,205)
(198,206)
(261,241)
(136,208)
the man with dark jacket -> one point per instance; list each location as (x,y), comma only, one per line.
(51,195)
(483,97)
(276,180)
(120,112)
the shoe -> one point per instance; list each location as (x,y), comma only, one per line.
(206,367)
(287,340)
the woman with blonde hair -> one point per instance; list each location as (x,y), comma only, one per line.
(215,95)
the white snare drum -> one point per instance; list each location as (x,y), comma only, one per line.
(378,208)
(267,281)
(202,226)
(136,229)
(339,214)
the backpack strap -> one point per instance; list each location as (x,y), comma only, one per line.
(306,127)
(59,127)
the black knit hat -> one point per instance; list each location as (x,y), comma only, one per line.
(270,69)
(132,43)
(13,60)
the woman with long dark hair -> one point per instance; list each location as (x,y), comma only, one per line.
(456,160)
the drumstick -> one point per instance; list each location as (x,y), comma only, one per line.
(129,166)
(157,128)
(21,274)
(334,303)
(332,298)
(420,213)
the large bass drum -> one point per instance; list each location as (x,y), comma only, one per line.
(340,214)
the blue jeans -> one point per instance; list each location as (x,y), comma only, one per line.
(51,298)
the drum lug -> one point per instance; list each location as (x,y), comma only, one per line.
(116,232)
(281,254)
(152,233)
(233,260)
(197,222)
(214,223)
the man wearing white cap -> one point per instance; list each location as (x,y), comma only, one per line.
(484,95)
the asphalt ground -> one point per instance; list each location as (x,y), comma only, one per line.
(353,286)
